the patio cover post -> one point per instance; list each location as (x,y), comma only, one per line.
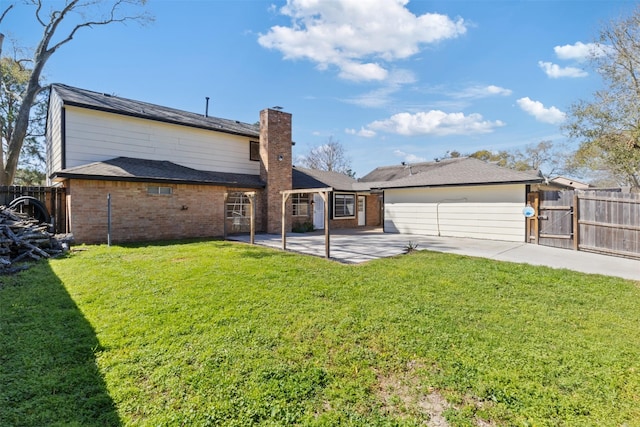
(285,197)
(251,195)
(327,245)
(324,193)
(252,206)
(224,216)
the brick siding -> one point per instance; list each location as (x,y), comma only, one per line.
(191,211)
(374,210)
(373,215)
(275,166)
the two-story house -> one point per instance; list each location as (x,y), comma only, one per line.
(140,171)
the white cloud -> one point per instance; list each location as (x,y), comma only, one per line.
(482,92)
(580,51)
(354,71)
(435,122)
(409,158)
(365,133)
(357,36)
(555,71)
(536,109)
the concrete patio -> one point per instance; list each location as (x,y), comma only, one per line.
(356,246)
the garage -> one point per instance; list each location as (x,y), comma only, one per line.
(462,197)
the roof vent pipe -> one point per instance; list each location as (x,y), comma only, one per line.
(206,109)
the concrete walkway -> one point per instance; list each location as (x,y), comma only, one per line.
(356,246)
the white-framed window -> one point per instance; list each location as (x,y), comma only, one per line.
(238,206)
(162,191)
(300,204)
(344,205)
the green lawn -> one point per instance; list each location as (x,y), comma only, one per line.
(219,333)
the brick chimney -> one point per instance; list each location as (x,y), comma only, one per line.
(275,165)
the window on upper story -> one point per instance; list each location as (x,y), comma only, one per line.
(254,150)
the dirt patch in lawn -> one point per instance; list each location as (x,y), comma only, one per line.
(402,395)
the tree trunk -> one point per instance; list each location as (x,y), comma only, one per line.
(14,145)
(1,148)
(42,54)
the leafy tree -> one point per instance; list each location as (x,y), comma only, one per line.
(599,165)
(609,125)
(545,156)
(14,77)
(330,156)
(30,176)
(453,154)
(78,15)
(500,158)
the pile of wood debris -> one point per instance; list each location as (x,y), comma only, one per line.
(23,238)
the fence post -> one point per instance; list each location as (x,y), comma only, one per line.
(576,221)
(533,199)
(109,219)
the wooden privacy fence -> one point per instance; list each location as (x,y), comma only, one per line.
(53,198)
(588,220)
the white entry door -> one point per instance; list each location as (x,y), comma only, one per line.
(318,212)
(362,219)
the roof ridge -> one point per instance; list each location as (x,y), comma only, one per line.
(102,98)
(432,162)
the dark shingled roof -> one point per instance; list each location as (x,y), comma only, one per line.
(114,104)
(448,172)
(140,170)
(301,180)
(313,178)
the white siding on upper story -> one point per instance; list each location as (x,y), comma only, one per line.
(93,136)
(491,212)
(54,133)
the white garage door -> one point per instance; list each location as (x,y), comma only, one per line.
(482,212)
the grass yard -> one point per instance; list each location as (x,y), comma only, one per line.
(219,333)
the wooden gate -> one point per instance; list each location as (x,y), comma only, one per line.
(554,223)
(596,221)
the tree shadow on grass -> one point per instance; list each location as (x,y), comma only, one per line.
(48,372)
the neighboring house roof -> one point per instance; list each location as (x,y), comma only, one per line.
(140,170)
(313,178)
(128,107)
(448,172)
(565,182)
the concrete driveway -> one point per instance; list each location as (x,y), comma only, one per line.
(356,246)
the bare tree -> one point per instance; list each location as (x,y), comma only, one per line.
(328,157)
(51,41)
(545,156)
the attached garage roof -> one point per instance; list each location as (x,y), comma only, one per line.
(114,104)
(140,170)
(448,172)
(314,178)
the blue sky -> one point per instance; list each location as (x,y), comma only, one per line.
(392,80)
